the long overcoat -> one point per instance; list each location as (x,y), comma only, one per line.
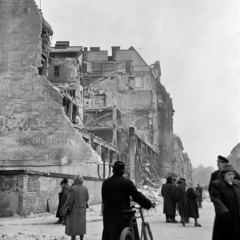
(180,197)
(76,220)
(116,193)
(216,176)
(191,206)
(64,195)
(226,198)
(168,193)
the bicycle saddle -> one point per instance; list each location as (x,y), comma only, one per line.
(130,211)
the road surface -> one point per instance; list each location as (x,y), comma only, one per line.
(39,227)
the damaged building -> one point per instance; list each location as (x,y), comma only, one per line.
(65,109)
(39,137)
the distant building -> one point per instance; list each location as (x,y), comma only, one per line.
(125,81)
(234,157)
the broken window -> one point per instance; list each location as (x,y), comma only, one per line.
(56,71)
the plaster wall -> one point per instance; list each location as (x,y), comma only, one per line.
(95,56)
(34,130)
(68,70)
(128,55)
(24,194)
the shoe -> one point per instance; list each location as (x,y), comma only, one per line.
(173,221)
(183,222)
(197,225)
(167,221)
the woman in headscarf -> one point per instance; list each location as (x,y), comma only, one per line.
(75,209)
(225,195)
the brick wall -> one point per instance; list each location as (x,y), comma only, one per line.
(23,194)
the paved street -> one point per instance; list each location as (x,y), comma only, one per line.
(43,227)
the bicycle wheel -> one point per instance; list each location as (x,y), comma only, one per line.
(126,234)
(146,232)
(149,232)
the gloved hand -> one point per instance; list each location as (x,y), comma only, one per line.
(153,205)
(226,215)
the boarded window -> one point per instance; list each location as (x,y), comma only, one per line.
(138,82)
(56,71)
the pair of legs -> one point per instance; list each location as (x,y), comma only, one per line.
(196,223)
(199,204)
(170,218)
(74,237)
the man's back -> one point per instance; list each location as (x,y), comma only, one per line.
(116,193)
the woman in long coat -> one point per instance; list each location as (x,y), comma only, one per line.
(77,202)
(225,195)
(191,207)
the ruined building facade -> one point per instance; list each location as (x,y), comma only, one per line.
(125,82)
(64,109)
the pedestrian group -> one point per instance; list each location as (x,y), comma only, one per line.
(118,192)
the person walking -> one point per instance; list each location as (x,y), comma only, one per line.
(62,199)
(199,198)
(191,207)
(116,193)
(76,204)
(221,161)
(225,195)
(180,197)
(169,203)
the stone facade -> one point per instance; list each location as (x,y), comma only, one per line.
(234,157)
(126,82)
(24,192)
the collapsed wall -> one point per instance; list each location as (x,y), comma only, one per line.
(34,130)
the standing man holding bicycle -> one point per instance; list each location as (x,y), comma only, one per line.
(116,193)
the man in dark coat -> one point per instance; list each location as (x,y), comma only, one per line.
(62,198)
(180,197)
(199,198)
(221,161)
(169,205)
(225,195)
(116,193)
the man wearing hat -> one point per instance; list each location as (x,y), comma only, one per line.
(221,161)
(168,192)
(116,193)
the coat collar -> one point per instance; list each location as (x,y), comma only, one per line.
(225,183)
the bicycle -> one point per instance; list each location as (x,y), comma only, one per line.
(131,232)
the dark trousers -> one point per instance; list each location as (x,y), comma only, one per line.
(199,204)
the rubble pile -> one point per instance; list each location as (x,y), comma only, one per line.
(151,193)
(206,197)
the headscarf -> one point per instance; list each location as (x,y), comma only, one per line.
(78,180)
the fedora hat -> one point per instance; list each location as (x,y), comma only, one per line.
(228,167)
(222,159)
(118,166)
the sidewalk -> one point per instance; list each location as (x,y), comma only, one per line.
(93,215)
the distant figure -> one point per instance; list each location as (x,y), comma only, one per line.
(180,197)
(191,207)
(199,198)
(62,199)
(221,161)
(225,195)
(77,201)
(169,204)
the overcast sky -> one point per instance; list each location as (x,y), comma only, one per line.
(197,44)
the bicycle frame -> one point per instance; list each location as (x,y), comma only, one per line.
(133,227)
